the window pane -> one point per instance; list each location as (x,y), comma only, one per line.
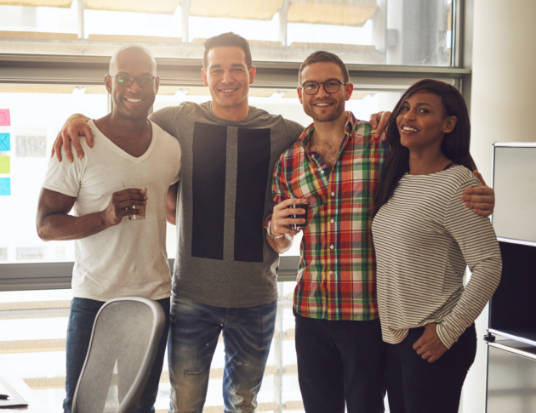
(33,327)
(39,19)
(105,22)
(31,130)
(403,32)
(33,126)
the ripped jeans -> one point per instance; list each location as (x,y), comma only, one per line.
(194,332)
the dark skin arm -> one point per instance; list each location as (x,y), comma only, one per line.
(76,126)
(480,198)
(54,222)
(171,203)
(429,346)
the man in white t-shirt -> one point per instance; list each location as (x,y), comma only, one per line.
(119,192)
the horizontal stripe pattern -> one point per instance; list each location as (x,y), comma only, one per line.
(424,238)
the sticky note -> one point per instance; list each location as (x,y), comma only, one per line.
(5,143)
(31,143)
(4,164)
(5,186)
(4,117)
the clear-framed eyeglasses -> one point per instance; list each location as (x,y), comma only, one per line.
(311,87)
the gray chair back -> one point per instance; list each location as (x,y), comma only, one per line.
(121,352)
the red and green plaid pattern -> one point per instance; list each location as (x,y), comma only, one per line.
(336,274)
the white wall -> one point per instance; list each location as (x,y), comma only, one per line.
(503,108)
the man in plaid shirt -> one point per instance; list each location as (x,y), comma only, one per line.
(333,168)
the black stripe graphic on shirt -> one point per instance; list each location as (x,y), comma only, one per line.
(252,175)
(208,189)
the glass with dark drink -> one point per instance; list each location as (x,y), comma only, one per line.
(298,227)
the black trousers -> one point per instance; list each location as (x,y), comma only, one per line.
(340,363)
(417,386)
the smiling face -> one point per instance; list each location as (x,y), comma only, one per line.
(132,100)
(422,121)
(323,106)
(228,78)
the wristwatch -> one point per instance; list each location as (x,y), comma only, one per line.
(269,232)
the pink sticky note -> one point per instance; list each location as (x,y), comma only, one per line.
(4,117)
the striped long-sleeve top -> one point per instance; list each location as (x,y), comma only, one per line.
(424,237)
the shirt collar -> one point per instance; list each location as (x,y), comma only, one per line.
(349,127)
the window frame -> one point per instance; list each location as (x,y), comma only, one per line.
(181,72)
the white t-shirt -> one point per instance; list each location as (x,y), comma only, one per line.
(128,258)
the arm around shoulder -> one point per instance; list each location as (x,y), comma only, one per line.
(74,127)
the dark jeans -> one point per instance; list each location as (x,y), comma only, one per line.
(340,362)
(416,386)
(81,318)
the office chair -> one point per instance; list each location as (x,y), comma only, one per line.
(121,352)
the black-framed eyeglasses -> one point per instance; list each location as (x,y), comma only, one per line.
(125,80)
(311,87)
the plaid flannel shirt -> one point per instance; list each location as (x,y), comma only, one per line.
(336,274)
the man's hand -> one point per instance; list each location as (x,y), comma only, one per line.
(481,199)
(74,127)
(282,221)
(126,202)
(429,346)
(379,122)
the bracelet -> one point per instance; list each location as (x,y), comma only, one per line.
(269,232)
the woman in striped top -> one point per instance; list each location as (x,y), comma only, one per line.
(424,238)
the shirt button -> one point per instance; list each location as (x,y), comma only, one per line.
(333,194)
(332,220)
(331,247)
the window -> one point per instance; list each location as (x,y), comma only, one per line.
(417,32)
(52,61)
(32,128)
(32,348)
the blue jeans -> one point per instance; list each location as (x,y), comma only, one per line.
(194,332)
(81,318)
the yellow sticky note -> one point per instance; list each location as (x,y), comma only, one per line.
(4,164)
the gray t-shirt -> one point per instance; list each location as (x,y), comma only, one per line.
(224,196)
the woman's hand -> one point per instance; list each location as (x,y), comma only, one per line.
(429,346)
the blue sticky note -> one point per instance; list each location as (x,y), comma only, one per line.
(5,186)
(5,142)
